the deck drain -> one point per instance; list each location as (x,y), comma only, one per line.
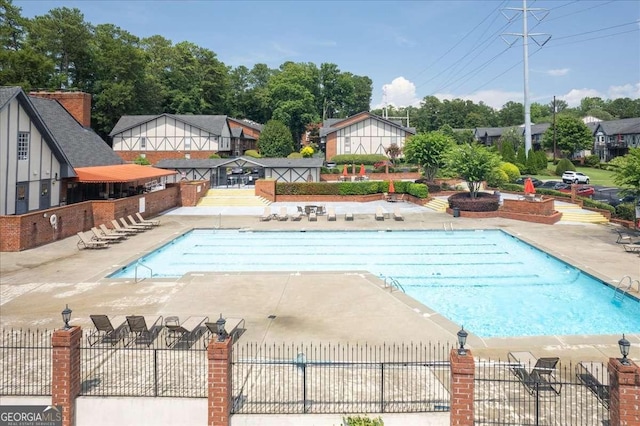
(271,317)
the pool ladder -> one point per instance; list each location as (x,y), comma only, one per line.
(450,229)
(621,290)
(136,271)
(390,282)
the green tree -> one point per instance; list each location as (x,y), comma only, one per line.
(507,152)
(511,114)
(474,163)
(428,150)
(275,140)
(627,171)
(571,135)
(512,135)
(393,151)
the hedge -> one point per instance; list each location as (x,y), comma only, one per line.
(350,188)
(368,159)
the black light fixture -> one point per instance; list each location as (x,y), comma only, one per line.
(222,333)
(462,339)
(624,350)
(66,316)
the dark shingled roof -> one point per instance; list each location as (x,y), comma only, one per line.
(211,123)
(6,94)
(621,127)
(247,123)
(217,162)
(489,131)
(83,147)
(331,125)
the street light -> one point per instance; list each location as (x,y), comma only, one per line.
(222,333)
(462,339)
(624,350)
(66,316)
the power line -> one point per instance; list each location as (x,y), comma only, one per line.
(595,31)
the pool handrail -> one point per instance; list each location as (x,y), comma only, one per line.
(135,278)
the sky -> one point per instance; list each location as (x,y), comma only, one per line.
(410,49)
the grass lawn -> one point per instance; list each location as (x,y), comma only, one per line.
(596,176)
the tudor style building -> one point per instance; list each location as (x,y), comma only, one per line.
(170,136)
(363,133)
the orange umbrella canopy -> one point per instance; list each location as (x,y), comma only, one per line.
(528,187)
(344,171)
(391,187)
(362,171)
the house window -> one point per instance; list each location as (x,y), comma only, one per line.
(187,143)
(23,145)
(143,143)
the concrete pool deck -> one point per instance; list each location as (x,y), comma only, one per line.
(308,307)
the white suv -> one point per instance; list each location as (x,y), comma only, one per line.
(574,177)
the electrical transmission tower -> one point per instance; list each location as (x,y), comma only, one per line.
(541,14)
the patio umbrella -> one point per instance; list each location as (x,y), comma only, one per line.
(392,189)
(528,187)
(362,171)
(344,171)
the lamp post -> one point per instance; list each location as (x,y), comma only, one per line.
(222,333)
(462,339)
(624,350)
(66,316)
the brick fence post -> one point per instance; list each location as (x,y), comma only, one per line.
(219,382)
(65,365)
(624,382)
(462,384)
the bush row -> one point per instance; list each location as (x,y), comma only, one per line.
(367,159)
(350,188)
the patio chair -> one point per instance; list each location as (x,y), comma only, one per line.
(623,237)
(119,228)
(632,248)
(266,215)
(233,326)
(297,215)
(331,214)
(595,376)
(87,243)
(126,225)
(106,231)
(107,330)
(348,216)
(133,222)
(153,222)
(99,236)
(313,216)
(397,215)
(282,216)
(379,214)
(184,333)
(535,374)
(140,330)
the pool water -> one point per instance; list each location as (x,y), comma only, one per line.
(489,281)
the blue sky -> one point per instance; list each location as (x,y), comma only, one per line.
(410,49)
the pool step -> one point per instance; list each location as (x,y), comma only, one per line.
(437,204)
(573,213)
(232,198)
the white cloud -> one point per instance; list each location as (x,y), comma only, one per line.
(494,98)
(574,96)
(400,93)
(559,72)
(625,91)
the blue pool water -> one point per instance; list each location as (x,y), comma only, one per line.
(489,281)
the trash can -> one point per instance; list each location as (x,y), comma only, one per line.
(456,212)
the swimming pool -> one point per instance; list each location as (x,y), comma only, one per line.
(489,281)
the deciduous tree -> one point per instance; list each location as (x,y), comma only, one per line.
(571,135)
(428,150)
(472,162)
(275,140)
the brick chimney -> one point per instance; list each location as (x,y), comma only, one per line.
(78,104)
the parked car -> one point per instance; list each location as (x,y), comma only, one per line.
(536,182)
(624,200)
(582,190)
(554,184)
(574,177)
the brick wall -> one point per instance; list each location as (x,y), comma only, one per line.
(192,192)
(462,386)
(266,188)
(219,382)
(65,366)
(78,104)
(624,405)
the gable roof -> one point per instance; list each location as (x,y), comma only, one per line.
(183,163)
(6,94)
(82,146)
(211,123)
(246,122)
(488,131)
(617,127)
(334,124)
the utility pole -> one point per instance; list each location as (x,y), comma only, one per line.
(554,129)
(525,35)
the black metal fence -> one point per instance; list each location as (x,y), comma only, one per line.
(288,379)
(25,362)
(508,393)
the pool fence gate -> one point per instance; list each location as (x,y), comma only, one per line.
(305,379)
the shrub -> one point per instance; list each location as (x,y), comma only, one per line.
(418,190)
(362,421)
(497,178)
(626,211)
(563,166)
(295,155)
(511,170)
(484,202)
(252,153)
(588,202)
(215,156)
(143,161)
(513,187)
(592,161)
(368,159)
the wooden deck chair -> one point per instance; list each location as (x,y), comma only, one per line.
(133,222)
(535,374)
(234,328)
(185,333)
(100,236)
(379,215)
(107,330)
(106,231)
(282,216)
(143,329)
(595,376)
(154,222)
(266,215)
(397,215)
(88,243)
(331,214)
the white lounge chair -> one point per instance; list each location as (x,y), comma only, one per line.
(154,222)
(282,216)
(126,225)
(122,232)
(379,214)
(99,236)
(120,228)
(397,215)
(313,217)
(348,216)
(133,222)
(266,215)
(89,243)
(331,214)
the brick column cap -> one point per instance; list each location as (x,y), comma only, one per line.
(64,338)
(219,350)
